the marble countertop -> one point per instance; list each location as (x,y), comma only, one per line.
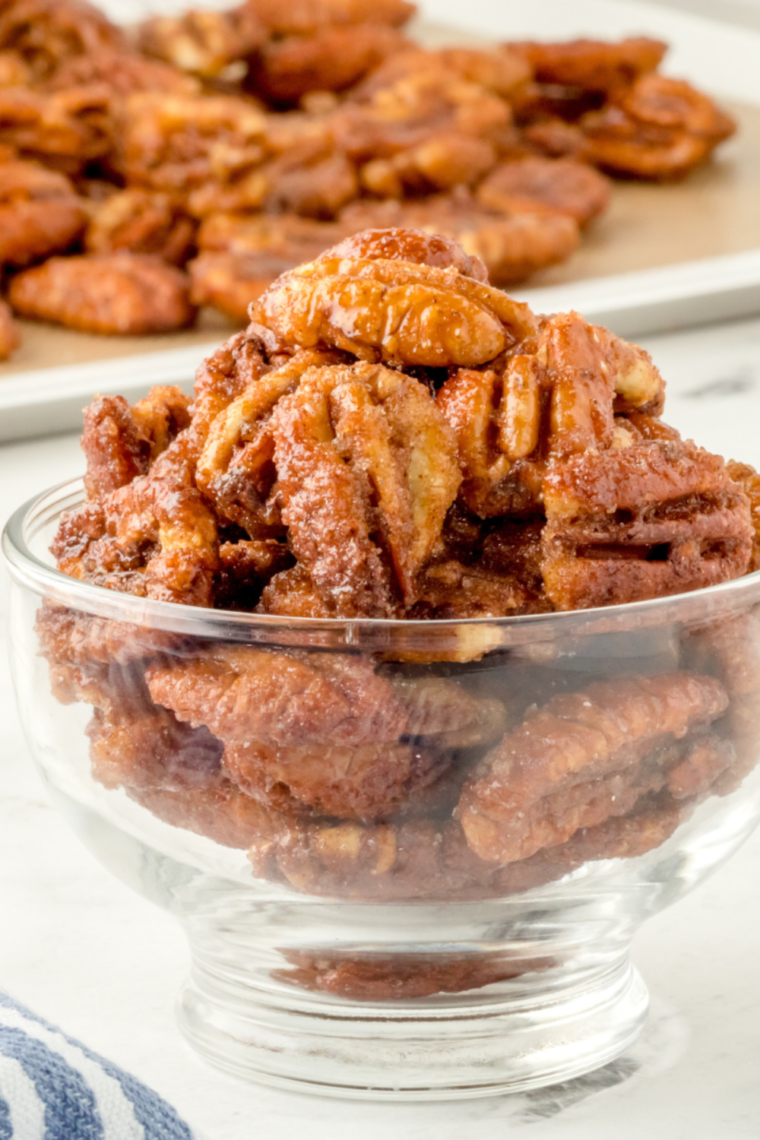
(84,952)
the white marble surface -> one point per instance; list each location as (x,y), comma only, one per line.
(86,953)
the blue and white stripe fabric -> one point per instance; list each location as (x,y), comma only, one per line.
(54,1088)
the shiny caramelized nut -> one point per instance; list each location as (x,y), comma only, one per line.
(395,311)
(520,413)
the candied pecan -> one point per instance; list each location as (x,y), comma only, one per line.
(141,222)
(582,758)
(10,335)
(560,184)
(443,715)
(120,442)
(346,436)
(364,782)
(176,144)
(152,750)
(659,128)
(558,399)
(555,139)
(395,311)
(307,732)
(232,281)
(153,537)
(98,660)
(201,42)
(495,573)
(513,241)
(594,65)
(497,420)
(235,470)
(447,589)
(416,859)
(306,17)
(112,294)
(303,172)
(288,238)
(289,700)
(65,130)
(40,213)
(426,132)
(441,163)
(332,59)
(645,521)
(47,33)
(592,373)
(401,977)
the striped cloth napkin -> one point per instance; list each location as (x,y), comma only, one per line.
(55,1088)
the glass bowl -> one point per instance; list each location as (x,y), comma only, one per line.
(409,857)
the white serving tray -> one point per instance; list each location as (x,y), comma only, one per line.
(720,58)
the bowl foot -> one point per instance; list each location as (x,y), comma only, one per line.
(452,1046)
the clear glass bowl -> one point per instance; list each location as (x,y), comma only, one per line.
(384,894)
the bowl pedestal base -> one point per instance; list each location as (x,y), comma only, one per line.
(444,1048)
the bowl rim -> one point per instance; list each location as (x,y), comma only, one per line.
(27,569)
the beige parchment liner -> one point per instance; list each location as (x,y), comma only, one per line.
(713,212)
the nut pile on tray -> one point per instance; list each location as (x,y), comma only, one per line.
(189,161)
(392,437)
